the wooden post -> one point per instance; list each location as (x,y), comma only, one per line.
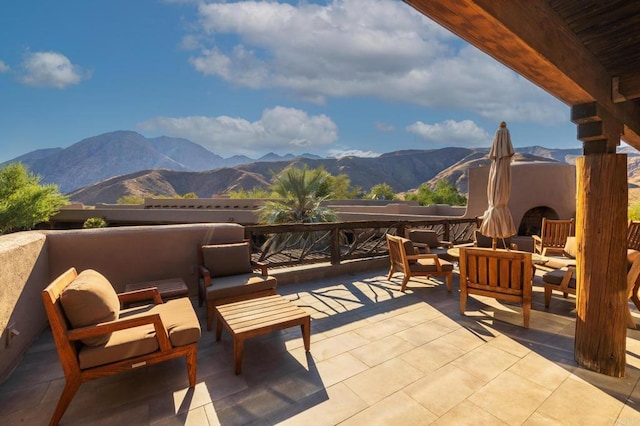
(601,224)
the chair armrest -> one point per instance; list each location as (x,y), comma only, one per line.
(123,324)
(567,277)
(446,244)
(422,246)
(151,293)
(205,275)
(536,238)
(264,268)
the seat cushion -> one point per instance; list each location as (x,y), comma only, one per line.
(180,322)
(90,299)
(238,285)
(557,262)
(555,278)
(227,259)
(429,265)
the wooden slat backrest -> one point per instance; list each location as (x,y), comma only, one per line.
(555,232)
(633,235)
(496,270)
(397,253)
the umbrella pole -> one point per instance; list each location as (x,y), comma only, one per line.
(494,244)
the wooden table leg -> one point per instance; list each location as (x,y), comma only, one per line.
(306,333)
(218,327)
(238,351)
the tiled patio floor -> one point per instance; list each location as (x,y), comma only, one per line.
(377,357)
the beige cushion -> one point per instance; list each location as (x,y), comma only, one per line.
(571,248)
(429,265)
(557,262)
(239,285)
(180,322)
(424,236)
(227,259)
(90,299)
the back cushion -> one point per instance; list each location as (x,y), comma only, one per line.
(227,259)
(571,248)
(425,237)
(90,299)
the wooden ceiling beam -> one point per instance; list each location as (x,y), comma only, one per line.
(531,39)
(625,87)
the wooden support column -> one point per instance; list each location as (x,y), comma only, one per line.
(601,223)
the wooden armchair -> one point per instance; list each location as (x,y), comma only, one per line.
(95,338)
(562,280)
(404,259)
(503,275)
(226,275)
(553,236)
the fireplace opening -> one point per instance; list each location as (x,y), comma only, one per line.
(532,220)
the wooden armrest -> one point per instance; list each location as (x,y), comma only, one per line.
(205,275)
(446,244)
(123,324)
(536,238)
(150,293)
(423,246)
(264,268)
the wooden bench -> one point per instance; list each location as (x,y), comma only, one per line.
(257,317)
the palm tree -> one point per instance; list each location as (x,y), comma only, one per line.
(298,202)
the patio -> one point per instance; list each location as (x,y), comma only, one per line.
(377,357)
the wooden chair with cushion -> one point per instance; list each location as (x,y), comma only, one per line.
(427,241)
(226,275)
(96,338)
(500,274)
(553,236)
(404,258)
(562,280)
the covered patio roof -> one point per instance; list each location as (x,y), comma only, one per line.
(581,52)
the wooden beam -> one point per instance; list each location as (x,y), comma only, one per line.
(625,88)
(532,40)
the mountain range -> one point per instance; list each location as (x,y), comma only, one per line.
(103,168)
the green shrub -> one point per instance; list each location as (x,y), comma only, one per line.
(94,222)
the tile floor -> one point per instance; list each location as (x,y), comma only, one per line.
(378,357)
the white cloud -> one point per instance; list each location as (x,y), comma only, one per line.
(340,153)
(452,133)
(347,48)
(279,129)
(4,67)
(50,69)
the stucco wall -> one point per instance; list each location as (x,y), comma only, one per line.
(24,272)
(534,184)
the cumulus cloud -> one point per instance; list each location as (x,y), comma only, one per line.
(4,67)
(452,133)
(340,153)
(50,69)
(347,48)
(278,129)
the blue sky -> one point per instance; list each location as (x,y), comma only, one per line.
(330,78)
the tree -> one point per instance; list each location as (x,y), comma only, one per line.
(130,199)
(94,222)
(381,191)
(445,193)
(254,193)
(23,201)
(298,202)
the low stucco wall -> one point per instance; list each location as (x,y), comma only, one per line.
(24,271)
(31,260)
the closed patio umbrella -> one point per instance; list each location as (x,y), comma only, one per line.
(497,221)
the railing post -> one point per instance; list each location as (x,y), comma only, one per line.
(446,235)
(335,246)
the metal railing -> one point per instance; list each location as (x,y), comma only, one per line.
(334,242)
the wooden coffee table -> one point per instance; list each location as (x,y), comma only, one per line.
(257,317)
